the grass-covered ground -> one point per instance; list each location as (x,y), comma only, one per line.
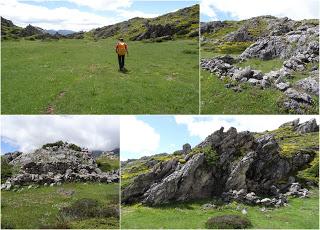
(72,205)
(81,77)
(216,99)
(300,214)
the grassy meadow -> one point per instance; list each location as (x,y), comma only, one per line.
(299,214)
(71,205)
(82,77)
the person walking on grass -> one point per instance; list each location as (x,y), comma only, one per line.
(121,50)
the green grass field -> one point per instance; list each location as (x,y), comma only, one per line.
(82,77)
(39,207)
(300,214)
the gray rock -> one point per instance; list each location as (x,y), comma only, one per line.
(254,81)
(243,73)
(298,96)
(208,206)
(309,84)
(282,86)
(308,127)
(186,148)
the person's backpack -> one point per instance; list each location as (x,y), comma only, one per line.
(121,48)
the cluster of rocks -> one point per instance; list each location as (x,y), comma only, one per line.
(56,164)
(297,95)
(244,163)
(278,199)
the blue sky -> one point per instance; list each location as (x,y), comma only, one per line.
(148,135)
(213,10)
(83,14)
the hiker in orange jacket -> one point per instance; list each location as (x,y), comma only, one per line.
(121,50)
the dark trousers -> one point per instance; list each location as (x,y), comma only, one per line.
(121,61)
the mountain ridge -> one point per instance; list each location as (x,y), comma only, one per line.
(182,23)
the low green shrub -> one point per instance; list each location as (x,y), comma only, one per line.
(58,143)
(74,147)
(6,170)
(88,208)
(210,155)
(228,222)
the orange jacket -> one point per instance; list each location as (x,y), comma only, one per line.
(121,48)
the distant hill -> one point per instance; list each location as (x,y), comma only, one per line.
(183,23)
(62,32)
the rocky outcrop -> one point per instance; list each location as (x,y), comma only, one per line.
(241,162)
(303,41)
(295,42)
(56,164)
(307,127)
(155,31)
(31,30)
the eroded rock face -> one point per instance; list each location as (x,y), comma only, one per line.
(244,163)
(52,165)
(302,44)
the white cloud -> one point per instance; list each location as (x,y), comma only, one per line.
(31,132)
(244,9)
(202,126)
(135,13)
(137,138)
(103,5)
(23,14)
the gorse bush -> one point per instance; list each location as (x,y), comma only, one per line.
(228,222)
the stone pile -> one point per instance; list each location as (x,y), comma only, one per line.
(57,164)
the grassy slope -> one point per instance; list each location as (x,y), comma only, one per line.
(301,213)
(81,77)
(33,208)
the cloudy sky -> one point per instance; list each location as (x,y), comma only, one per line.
(148,135)
(27,133)
(212,10)
(83,14)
